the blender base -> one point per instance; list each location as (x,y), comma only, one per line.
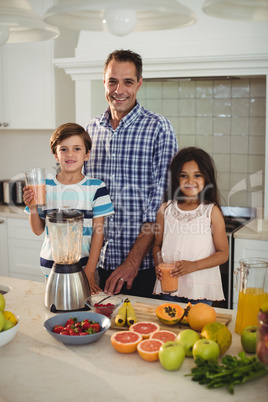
(53,309)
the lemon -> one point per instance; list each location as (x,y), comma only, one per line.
(10,317)
(264,307)
(218,332)
(2,302)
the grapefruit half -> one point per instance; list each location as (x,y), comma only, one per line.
(164,336)
(125,341)
(144,328)
(148,349)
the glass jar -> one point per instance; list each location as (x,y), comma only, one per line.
(262,338)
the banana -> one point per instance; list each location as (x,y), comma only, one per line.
(121,316)
(131,316)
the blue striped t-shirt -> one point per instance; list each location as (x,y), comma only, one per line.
(89,196)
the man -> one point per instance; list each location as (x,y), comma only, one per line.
(131,152)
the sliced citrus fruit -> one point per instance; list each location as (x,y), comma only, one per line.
(10,317)
(148,349)
(125,341)
(145,328)
(163,335)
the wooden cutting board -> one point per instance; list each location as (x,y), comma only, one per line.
(146,312)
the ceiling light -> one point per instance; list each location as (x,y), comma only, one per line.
(243,10)
(19,23)
(120,17)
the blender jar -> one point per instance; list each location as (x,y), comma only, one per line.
(65,228)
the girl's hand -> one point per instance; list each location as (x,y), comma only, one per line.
(158,273)
(28,196)
(183,267)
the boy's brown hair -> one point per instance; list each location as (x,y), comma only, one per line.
(68,130)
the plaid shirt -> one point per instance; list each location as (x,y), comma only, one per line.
(133,162)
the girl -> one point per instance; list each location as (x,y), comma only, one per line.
(191,222)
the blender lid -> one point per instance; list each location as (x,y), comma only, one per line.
(65,214)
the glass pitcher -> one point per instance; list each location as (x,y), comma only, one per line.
(253,291)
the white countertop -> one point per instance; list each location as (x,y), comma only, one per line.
(257,229)
(35,367)
(13,211)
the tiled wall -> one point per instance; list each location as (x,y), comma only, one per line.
(227,119)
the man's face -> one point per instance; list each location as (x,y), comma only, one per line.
(121,87)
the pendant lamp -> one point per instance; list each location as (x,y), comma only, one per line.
(243,10)
(120,17)
(19,23)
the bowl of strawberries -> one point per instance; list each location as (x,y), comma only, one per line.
(77,328)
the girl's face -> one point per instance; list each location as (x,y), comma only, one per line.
(71,154)
(191,180)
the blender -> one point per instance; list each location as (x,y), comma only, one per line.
(67,285)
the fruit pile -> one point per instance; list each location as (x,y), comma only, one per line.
(7,319)
(72,327)
(206,341)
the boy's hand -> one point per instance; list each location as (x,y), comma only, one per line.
(94,288)
(28,196)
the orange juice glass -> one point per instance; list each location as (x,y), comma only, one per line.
(166,261)
(253,291)
(35,179)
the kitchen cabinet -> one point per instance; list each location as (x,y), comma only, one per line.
(24,250)
(19,250)
(247,248)
(3,247)
(27,93)
(33,93)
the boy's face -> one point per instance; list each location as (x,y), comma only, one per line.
(71,154)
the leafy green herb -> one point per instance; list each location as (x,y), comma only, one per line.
(233,370)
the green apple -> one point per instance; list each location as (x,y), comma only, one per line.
(2,302)
(206,349)
(7,325)
(249,339)
(171,355)
(2,320)
(187,339)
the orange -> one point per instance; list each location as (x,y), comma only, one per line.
(125,341)
(163,335)
(199,315)
(145,328)
(148,349)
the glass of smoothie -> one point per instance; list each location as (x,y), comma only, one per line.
(166,261)
(36,180)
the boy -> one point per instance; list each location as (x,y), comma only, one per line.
(71,145)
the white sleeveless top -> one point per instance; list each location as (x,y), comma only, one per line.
(189,232)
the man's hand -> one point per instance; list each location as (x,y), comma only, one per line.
(128,271)
(124,273)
